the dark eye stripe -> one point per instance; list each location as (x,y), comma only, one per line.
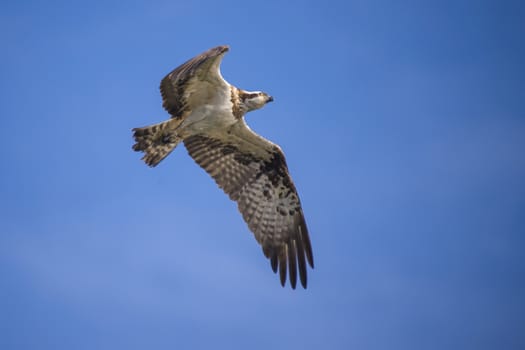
(248,96)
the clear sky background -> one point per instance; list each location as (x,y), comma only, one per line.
(403,123)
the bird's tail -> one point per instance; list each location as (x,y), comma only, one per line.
(156,141)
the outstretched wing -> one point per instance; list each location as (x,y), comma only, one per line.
(193,82)
(253,172)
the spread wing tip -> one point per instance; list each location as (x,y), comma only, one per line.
(222,48)
(292,261)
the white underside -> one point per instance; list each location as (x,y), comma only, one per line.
(212,116)
(206,119)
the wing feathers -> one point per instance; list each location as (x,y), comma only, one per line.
(292,258)
(306,239)
(274,263)
(175,87)
(301,261)
(282,264)
(257,178)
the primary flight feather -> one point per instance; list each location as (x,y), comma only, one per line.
(207,114)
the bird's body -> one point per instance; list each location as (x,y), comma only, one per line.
(207,114)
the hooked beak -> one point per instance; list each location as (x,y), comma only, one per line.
(270,99)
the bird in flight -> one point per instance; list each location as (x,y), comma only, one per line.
(207,115)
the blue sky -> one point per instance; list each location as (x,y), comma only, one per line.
(403,125)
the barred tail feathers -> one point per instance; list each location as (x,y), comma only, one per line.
(156,141)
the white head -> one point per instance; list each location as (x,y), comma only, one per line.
(252,100)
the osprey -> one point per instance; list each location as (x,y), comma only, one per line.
(207,114)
